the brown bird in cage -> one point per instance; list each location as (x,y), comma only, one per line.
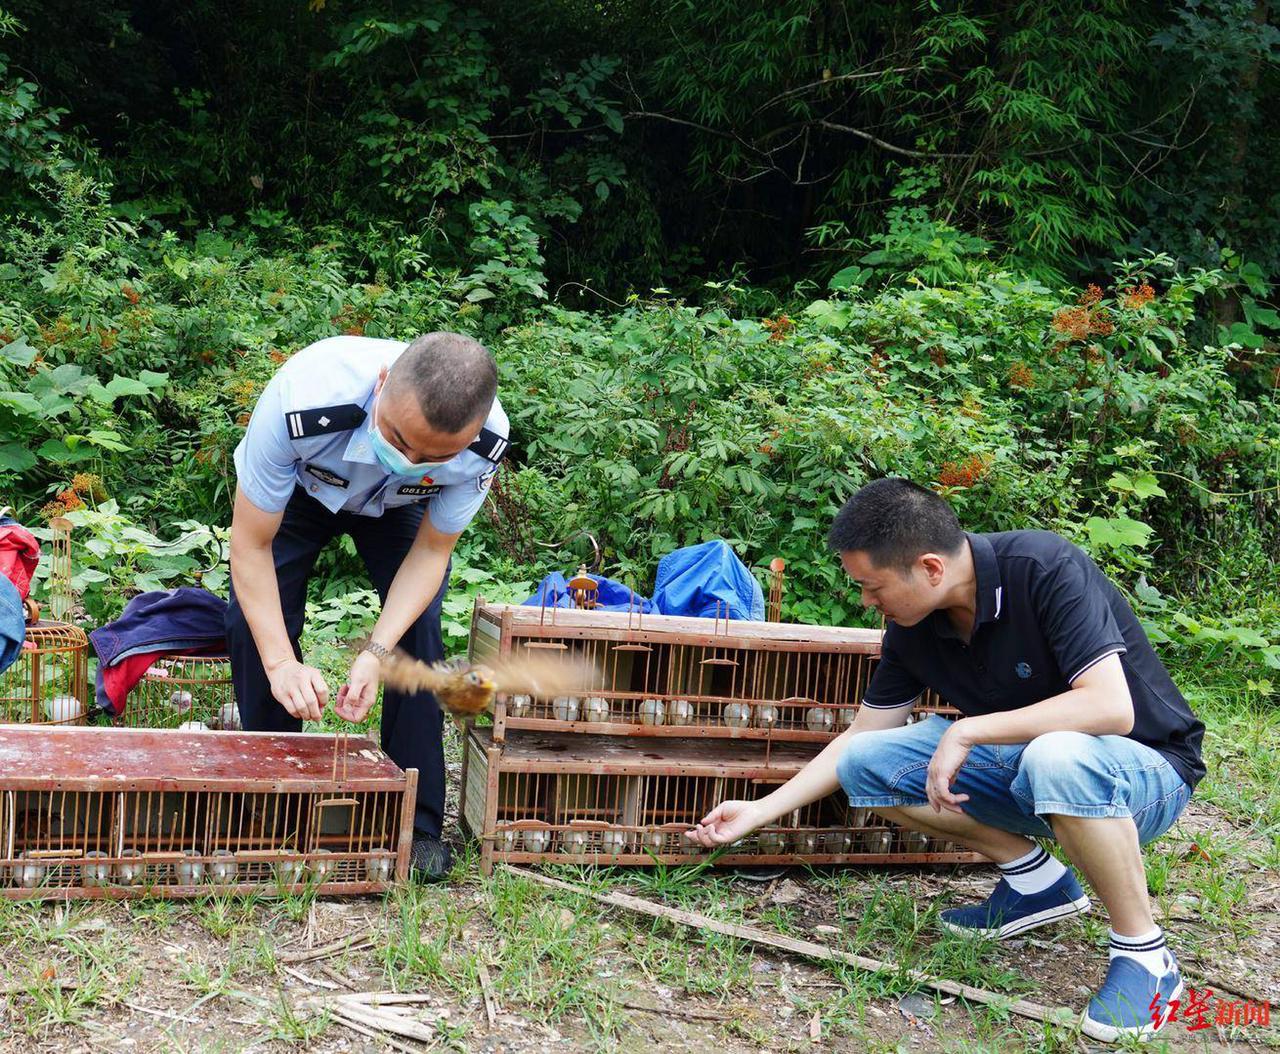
(465,688)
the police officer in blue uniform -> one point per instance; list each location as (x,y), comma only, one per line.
(394,445)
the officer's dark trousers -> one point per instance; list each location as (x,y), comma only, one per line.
(411,724)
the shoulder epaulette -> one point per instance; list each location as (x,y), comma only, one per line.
(303,424)
(490,446)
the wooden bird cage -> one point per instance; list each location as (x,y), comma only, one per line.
(180,689)
(49,682)
(574,799)
(142,812)
(667,676)
(61,598)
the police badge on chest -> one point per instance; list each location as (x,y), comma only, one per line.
(325,476)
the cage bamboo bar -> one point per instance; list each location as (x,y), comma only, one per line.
(576,799)
(141,812)
(180,690)
(668,676)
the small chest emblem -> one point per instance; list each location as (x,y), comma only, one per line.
(1023,670)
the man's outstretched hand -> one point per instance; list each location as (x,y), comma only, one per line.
(726,823)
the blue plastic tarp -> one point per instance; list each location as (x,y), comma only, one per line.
(613,596)
(705,581)
(699,581)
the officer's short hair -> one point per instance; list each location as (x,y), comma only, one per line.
(894,521)
(453,377)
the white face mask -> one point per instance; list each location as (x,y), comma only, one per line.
(389,457)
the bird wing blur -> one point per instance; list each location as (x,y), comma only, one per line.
(465,688)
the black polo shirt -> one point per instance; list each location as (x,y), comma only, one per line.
(1045,614)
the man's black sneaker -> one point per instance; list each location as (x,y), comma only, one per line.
(429,859)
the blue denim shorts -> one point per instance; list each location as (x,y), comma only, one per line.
(1013,786)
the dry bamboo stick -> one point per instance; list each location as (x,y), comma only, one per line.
(486,988)
(313,981)
(809,949)
(354,943)
(384,1021)
(381,1037)
(668,1011)
(154,1012)
(339,981)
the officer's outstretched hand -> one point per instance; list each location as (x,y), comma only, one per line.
(300,689)
(356,697)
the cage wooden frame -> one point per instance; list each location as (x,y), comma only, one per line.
(52,668)
(669,676)
(145,812)
(554,797)
(180,688)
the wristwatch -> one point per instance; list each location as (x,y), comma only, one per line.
(373,647)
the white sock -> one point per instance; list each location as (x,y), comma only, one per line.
(1148,950)
(1033,873)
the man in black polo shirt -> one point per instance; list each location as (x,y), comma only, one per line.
(1072,730)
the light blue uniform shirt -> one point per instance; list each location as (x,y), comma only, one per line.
(304,433)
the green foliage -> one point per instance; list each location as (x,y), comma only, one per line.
(30,137)
(509,260)
(139,356)
(1213,87)
(116,559)
(427,88)
(662,143)
(434,180)
(1009,122)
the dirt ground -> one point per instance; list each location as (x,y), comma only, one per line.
(192,986)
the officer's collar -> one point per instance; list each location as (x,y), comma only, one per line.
(989,590)
(358,446)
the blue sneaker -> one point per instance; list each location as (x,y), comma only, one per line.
(1007,912)
(1132,1002)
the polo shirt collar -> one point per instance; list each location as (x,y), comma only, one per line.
(989,589)
(987,571)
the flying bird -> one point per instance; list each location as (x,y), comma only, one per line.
(466,688)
